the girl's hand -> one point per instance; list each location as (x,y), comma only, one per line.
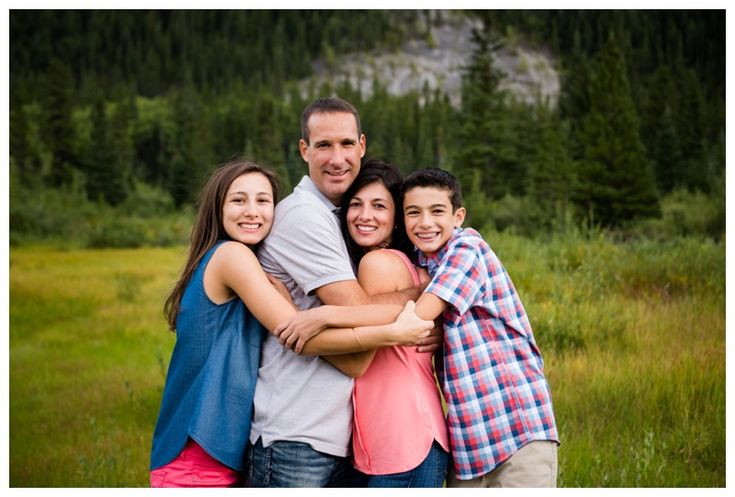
(411,329)
(300,328)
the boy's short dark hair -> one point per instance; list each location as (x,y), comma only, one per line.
(436,178)
(327,105)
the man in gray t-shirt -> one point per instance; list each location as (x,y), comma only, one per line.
(303,408)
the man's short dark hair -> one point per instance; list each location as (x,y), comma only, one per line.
(436,178)
(327,105)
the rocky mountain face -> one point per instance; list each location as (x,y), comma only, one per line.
(530,75)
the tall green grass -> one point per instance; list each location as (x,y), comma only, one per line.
(633,338)
(88,352)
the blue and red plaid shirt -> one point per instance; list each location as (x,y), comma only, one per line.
(492,376)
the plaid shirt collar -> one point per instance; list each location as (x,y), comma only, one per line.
(432,262)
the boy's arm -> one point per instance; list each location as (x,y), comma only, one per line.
(430,307)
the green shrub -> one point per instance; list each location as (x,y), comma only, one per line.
(685,213)
(64,218)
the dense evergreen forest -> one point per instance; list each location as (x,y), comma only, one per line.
(117,116)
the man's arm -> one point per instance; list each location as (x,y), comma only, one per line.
(351,293)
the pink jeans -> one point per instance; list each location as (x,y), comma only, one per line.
(193,467)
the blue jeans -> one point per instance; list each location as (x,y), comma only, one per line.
(430,473)
(296,464)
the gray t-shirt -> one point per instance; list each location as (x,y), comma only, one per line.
(303,398)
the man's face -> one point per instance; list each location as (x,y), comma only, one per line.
(333,152)
(429,218)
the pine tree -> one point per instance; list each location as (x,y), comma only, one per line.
(21,154)
(99,156)
(616,179)
(58,86)
(690,123)
(122,154)
(550,171)
(484,141)
(191,156)
(668,162)
(266,139)
(426,138)
(659,105)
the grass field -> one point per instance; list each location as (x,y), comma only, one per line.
(633,338)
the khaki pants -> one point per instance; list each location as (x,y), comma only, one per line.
(534,465)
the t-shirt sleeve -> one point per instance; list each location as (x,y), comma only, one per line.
(460,277)
(310,249)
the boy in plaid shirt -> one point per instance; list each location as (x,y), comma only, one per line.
(500,417)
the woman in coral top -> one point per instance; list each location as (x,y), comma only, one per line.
(399,436)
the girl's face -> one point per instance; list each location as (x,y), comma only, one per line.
(371,216)
(247,213)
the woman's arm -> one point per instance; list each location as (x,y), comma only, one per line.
(298,329)
(379,272)
(235,268)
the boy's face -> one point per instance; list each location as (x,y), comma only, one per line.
(429,218)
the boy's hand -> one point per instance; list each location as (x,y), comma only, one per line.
(431,343)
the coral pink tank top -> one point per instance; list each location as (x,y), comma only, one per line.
(397,408)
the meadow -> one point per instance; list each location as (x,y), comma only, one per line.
(632,334)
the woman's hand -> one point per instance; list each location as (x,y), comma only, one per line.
(409,328)
(299,328)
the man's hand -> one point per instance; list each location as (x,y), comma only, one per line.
(434,341)
(424,277)
(280,287)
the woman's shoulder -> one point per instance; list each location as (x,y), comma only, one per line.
(383,257)
(386,264)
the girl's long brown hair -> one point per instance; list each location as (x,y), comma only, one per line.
(208,226)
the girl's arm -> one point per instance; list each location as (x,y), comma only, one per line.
(298,329)
(379,272)
(234,269)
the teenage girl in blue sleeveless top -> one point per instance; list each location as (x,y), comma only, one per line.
(220,309)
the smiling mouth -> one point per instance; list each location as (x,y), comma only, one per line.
(250,226)
(365,229)
(426,237)
(336,174)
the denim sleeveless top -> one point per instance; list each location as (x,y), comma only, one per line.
(211,377)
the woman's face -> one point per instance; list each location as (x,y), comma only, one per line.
(371,216)
(247,213)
